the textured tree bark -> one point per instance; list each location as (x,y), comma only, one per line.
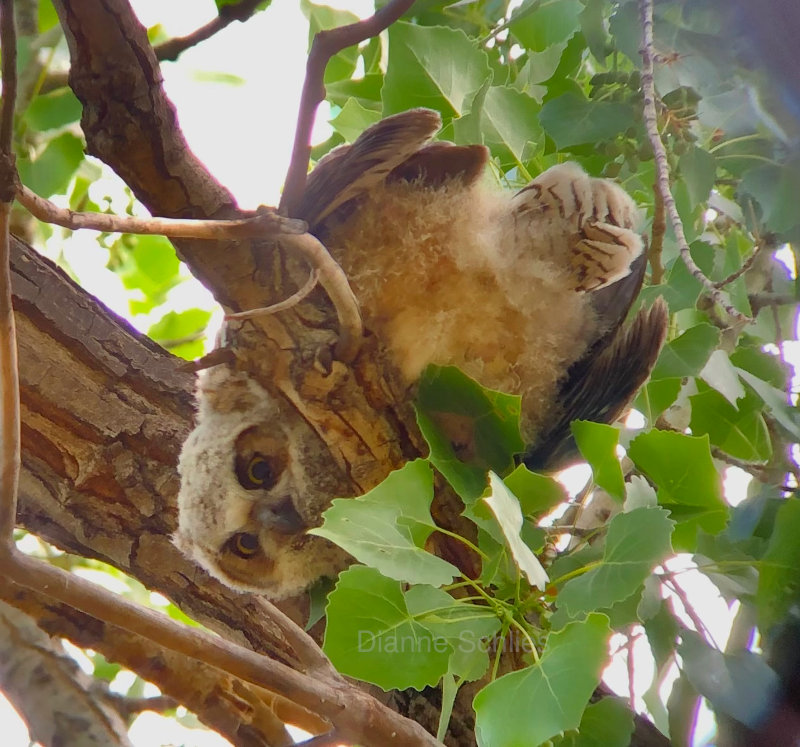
(242,713)
(60,703)
(105,410)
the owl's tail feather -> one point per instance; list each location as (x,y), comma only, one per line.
(600,386)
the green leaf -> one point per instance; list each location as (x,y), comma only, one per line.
(688,483)
(387,527)
(597,443)
(353,119)
(371,635)
(52,110)
(533,705)
(686,355)
(466,627)
(437,67)
(636,542)
(740,685)
(149,264)
(538,25)
(607,723)
(510,118)
(721,375)
(657,396)
(776,189)
(176,326)
(537,494)
(506,510)
(698,170)
(775,400)
(571,119)
(470,429)
(320,17)
(779,577)
(51,170)
(741,433)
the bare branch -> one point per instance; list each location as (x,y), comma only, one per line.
(9,374)
(265,224)
(172,49)
(662,167)
(355,715)
(325,45)
(287,303)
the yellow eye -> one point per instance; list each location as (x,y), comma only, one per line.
(255,472)
(244,544)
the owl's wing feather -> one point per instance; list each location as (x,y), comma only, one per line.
(392,149)
(600,386)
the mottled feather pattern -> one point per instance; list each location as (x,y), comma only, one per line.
(525,292)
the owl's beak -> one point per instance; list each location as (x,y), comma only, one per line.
(279,516)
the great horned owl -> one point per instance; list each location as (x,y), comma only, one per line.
(525,292)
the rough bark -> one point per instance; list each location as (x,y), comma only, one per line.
(60,703)
(244,714)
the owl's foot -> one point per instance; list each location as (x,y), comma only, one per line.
(597,215)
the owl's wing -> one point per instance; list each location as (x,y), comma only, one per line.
(601,385)
(394,148)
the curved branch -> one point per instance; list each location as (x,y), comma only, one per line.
(325,45)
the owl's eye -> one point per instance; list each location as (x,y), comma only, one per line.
(255,473)
(244,544)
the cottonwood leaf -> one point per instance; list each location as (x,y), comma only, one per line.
(506,510)
(775,400)
(50,171)
(353,119)
(687,354)
(468,628)
(635,543)
(571,119)
(532,705)
(536,493)
(432,66)
(597,442)
(538,25)
(779,575)
(639,494)
(469,429)
(607,723)
(371,635)
(720,374)
(741,433)
(510,118)
(387,527)
(687,480)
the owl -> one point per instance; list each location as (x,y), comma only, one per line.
(525,292)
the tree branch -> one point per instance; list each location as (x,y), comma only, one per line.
(325,45)
(241,11)
(662,166)
(9,374)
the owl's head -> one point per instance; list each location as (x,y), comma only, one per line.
(250,488)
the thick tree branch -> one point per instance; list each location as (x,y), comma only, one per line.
(60,704)
(325,45)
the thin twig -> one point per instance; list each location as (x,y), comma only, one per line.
(172,49)
(662,166)
(266,223)
(287,303)
(325,45)
(669,580)
(9,374)
(746,265)
(128,707)
(333,279)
